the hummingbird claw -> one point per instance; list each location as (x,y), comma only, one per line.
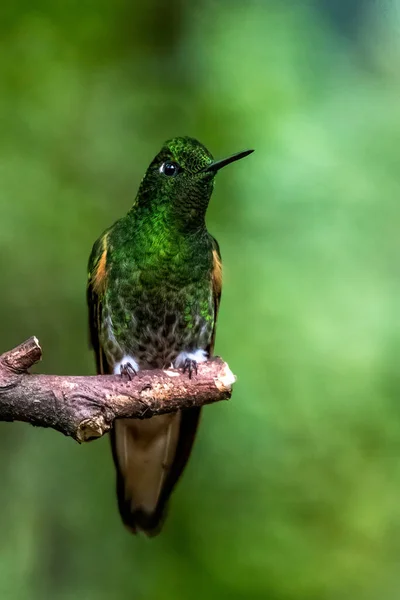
(190,365)
(127,370)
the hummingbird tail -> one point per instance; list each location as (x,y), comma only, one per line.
(150,456)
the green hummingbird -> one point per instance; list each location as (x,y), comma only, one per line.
(154,290)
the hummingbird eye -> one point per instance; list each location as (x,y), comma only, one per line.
(170,169)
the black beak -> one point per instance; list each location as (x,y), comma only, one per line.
(216,165)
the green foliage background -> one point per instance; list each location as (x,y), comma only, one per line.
(293,490)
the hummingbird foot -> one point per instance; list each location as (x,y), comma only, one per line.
(190,366)
(128,370)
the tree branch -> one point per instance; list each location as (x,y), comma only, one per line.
(85,407)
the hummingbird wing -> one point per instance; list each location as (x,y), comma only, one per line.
(97,279)
(217,290)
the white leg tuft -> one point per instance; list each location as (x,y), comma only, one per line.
(125,359)
(198,355)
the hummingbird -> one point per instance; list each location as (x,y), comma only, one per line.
(154,290)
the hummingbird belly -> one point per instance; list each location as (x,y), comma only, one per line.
(158,327)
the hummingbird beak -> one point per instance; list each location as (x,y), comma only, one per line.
(216,165)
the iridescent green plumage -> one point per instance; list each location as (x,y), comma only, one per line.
(153,294)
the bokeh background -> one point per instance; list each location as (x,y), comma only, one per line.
(293,489)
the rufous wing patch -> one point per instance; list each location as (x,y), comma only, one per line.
(217,273)
(100,273)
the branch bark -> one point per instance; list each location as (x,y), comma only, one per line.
(85,407)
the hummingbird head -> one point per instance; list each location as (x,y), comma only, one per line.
(180,180)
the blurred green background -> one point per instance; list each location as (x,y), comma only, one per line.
(293,489)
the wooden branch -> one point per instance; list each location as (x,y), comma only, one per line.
(85,407)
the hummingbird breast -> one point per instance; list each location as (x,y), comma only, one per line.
(153,313)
